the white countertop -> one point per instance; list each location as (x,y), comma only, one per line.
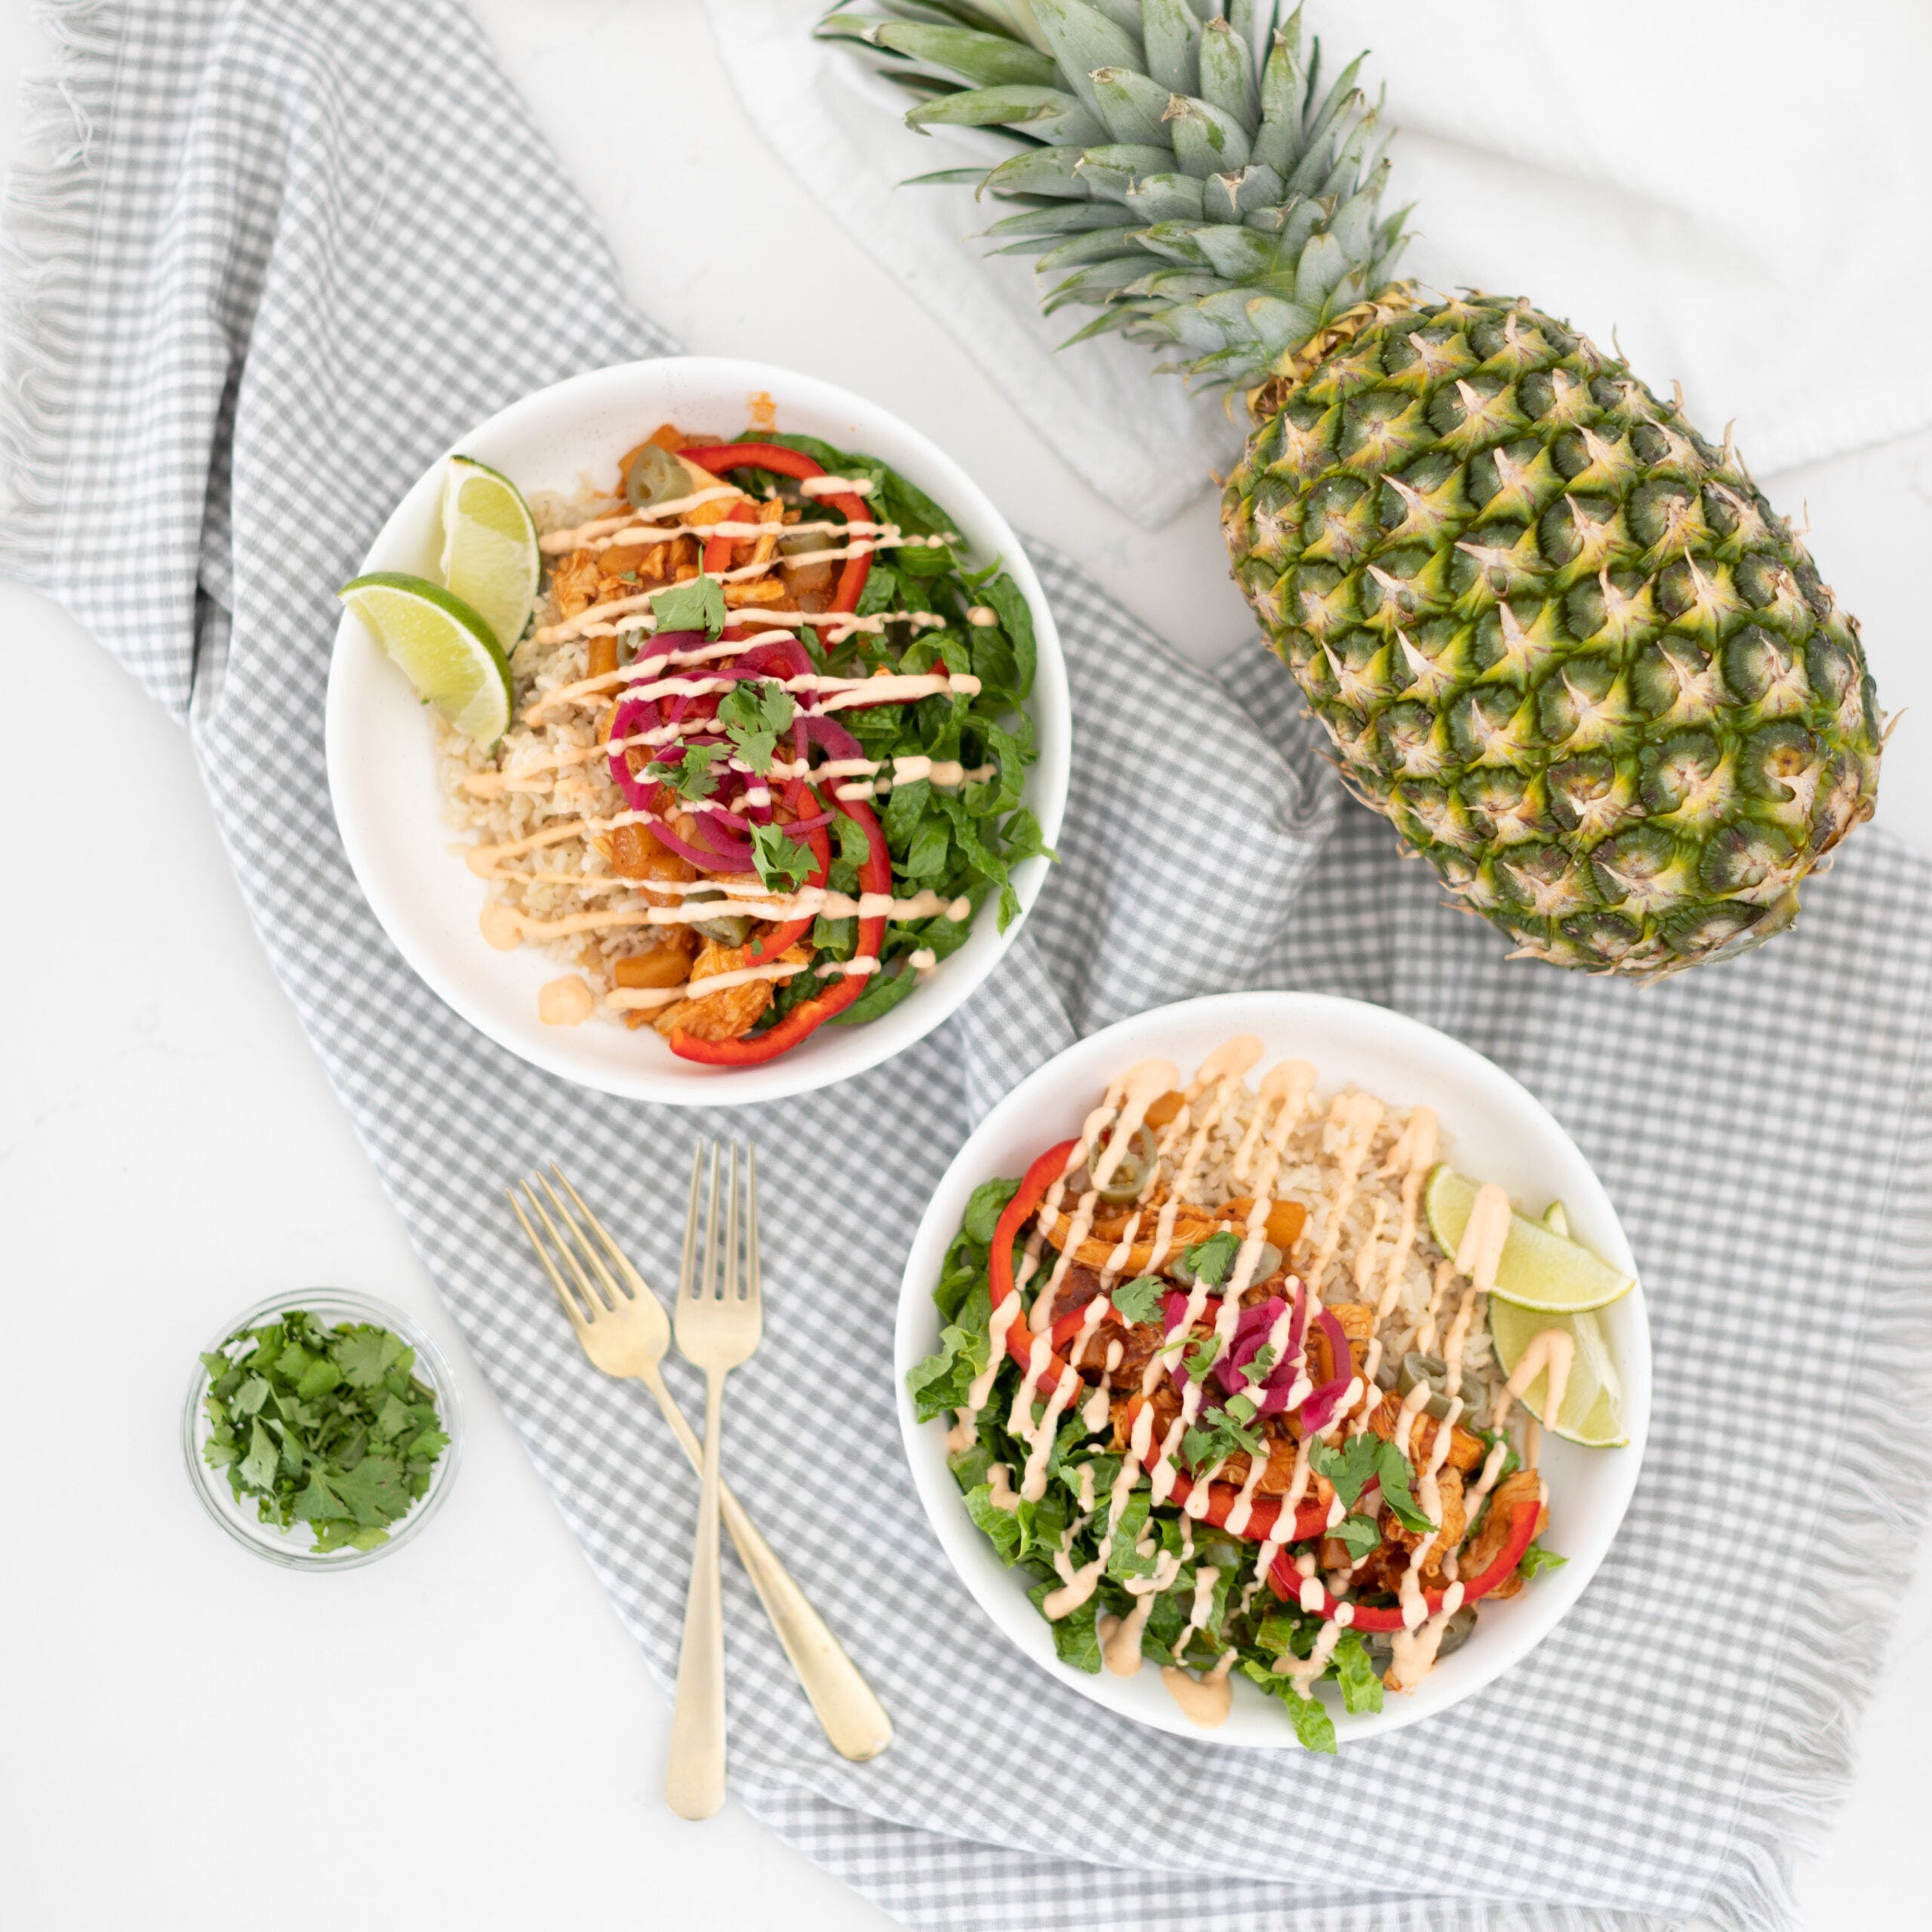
(170,1151)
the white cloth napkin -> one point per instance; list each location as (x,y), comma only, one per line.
(1738,188)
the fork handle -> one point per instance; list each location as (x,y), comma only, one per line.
(694,1774)
(854,1720)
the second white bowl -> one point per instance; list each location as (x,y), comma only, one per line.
(1493,1129)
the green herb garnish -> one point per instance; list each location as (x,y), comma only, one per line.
(1537,1559)
(1135,1301)
(692,776)
(1209,1260)
(753,714)
(782,863)
(696,605)
(1201,1357)
(1359,1535)
(1349,1468)
(1221,1432)
(1366,1458)
(323,1425)
(1396,1496)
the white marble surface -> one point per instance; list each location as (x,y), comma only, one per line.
(169,1150)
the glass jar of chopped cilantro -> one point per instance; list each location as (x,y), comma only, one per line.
(321,1428)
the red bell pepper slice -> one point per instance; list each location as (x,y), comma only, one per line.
(1286,1580)
(718,549)
(1264,1512)
(805,1019)
(805,802)
(783,462)
(1026,1199)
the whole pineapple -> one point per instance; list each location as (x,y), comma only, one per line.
(1557,637)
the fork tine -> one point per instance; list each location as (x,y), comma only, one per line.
(732,1288)
(593,1301)
(754,1283)
(710,1290)
(688,1265)
(613,1294)
(618,1260)
(577,1319)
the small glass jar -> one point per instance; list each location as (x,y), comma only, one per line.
(294,1547)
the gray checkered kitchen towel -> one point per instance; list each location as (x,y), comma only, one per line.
(266,261)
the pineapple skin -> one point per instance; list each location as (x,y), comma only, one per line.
(1557,637)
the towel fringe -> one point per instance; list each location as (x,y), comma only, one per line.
(1874,1506)
(48,213)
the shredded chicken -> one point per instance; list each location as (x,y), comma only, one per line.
(733,1012)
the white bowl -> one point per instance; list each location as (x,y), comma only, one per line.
(1492,1129)
(382,763)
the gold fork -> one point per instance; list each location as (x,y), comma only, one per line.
(720,1323)
(624,1331)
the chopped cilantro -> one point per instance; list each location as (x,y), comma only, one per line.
(691,776)
(1359,1533)
(1395,1493)
(1208,1261)
(1135,1301)
(1201,1357)
(1255,1368)
(1218,1433)
(1349,1470)
(321,1426)
(696,605)
(1367,1458)
(782,863)
(753,713)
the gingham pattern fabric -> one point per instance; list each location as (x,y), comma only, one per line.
(269,260)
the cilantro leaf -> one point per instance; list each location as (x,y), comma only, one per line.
(1537,1559)
(696,605)
(691,776)
(1208,1261)
(1136,1301)
(1255,1368)
(1349,1470)
(753,713)
(1219,1433)
(1394,1469)
(782,863)
(1359,1534)
(258,1468)
(364,1353)
(1201,1356)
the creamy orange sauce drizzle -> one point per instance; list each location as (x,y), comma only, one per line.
(589,622)
(637,999)
(558,541)
(814,901)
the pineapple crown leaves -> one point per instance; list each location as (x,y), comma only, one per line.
(1181,167)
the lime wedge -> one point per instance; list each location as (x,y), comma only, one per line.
(444,649)
(1541,1267)
(489,554)
(1592,1394)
